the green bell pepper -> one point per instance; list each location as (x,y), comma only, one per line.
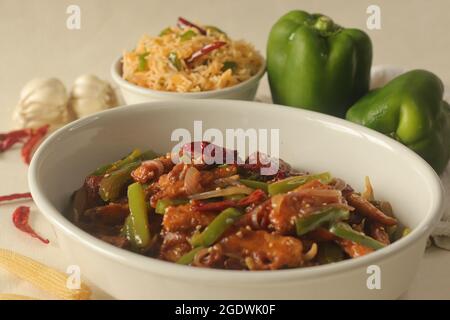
(187,258)
(315,64)
(111,186)
(163,204)
(344,231)
(288,184)
(329,252)
(411,110)
(314,220)
(216,228)
(108,168)
(138,225)
(254,184)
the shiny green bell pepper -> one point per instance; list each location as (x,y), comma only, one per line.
(288,184)
(344,231)
(187,258)
(216,228)
(410,109)
(138,225)
(315,64)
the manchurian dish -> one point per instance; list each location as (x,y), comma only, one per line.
(229,216)
(190,58)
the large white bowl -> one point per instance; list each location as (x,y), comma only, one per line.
(309,140)
(135,94)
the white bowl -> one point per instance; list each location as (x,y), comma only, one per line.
(135,94)
(309,140)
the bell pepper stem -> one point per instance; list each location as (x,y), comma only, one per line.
(324,24)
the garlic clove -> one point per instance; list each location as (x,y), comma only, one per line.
(90,95)
(42,101)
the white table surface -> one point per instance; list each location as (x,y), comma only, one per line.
(36,42)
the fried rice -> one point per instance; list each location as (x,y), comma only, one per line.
(166,62)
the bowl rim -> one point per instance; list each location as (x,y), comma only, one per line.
(116,75)
(187,273)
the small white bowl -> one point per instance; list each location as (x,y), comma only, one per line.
(135,94)
(308,140)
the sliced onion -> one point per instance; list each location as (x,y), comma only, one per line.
(192,181)
(228,181)
(368,192)
(312,252)
(222,193)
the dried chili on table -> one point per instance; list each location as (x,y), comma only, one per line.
(20,219)
(30,138)
(35,137)
(15,196)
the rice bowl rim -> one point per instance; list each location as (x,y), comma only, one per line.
(116,74)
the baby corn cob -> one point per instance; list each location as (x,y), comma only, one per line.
(11,296)
(42,276)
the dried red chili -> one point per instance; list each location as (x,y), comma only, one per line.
(20,219)
(183,21)
(15,196)
(30,138)
(7,140)
(205,50)
(35,137)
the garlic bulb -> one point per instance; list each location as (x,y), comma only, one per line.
(91,94)
(42,101)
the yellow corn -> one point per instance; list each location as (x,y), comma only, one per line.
(42,276)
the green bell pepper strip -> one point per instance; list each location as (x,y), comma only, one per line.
(130,158)
(315,64)
(163,204)
(112,184)
(291,183)
(216,228)
(343,230)
(410,109)
(142,66)
(213,29)
(187,258)
(329,252)
(166,31)
(148,155)
(254,184)
(229,65)
(139,226)
(175,61)
(312,221)
(188,35)
(127,231)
